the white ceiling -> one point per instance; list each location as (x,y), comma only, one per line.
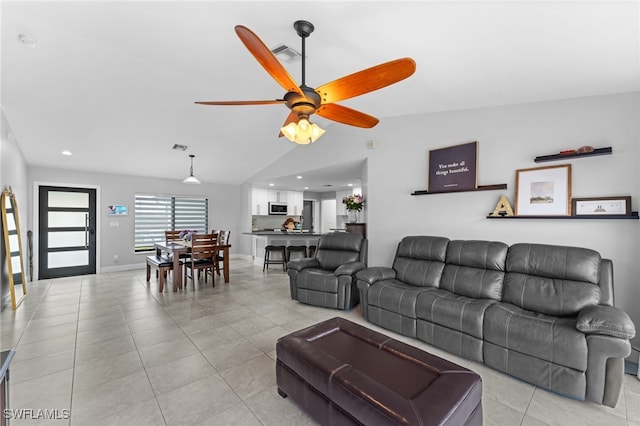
(115,82)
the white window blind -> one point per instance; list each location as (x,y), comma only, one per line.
(155,214)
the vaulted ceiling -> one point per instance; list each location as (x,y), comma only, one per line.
(115,82)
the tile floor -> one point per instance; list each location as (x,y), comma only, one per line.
(113,351)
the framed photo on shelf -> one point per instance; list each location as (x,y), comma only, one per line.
(620,206)
(544,191)
(453,168)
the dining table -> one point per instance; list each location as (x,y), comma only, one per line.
(174,249)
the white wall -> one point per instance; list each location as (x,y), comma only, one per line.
(13,172)
(509,137)
(224,207)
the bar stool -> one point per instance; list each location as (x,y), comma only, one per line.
(281,250)
(296,249)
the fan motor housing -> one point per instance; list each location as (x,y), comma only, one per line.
(307,103)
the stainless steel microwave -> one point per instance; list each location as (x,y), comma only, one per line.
(278,208)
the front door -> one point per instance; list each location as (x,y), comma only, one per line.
(67,232)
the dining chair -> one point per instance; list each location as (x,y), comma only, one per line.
(203,253)
(223,239)
(172,235)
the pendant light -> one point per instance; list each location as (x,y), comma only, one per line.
(191,179)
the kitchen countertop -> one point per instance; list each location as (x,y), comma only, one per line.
(282,234)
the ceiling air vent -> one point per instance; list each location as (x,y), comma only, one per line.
(286,54)
(179,147)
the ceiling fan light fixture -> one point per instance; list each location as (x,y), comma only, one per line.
(303,132)
(191,179)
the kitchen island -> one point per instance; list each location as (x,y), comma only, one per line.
(261,239)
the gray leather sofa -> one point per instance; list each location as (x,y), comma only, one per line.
(541,313)
(328,279)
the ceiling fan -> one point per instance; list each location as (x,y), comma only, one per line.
(303,101)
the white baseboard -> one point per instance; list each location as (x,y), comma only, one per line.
(120,268)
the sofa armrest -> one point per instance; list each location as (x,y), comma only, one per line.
(350,268)
(376,273)
(303,263)
(607,320)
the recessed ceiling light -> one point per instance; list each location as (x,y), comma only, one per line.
(27,40)
(271,184)
(306,187)
(298,177)
(349,184)
(67,152)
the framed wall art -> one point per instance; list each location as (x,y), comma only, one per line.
(117,210)
(453,168)
(620,205)
(544,191)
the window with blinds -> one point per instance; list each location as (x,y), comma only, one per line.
(155,214)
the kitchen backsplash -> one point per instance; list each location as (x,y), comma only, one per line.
(269,222)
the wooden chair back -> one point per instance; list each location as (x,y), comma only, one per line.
(172,236)
(203,246)
(223,237)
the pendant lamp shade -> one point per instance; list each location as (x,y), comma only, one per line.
(191,179)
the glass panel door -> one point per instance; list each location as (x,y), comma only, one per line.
(67,232)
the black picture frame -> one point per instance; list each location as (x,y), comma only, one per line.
(453,168)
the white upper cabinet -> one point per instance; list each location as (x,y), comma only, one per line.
(277,196)
(295,202)
(259,201)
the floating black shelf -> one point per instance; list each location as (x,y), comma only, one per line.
(479,188)
(633,215)
(556,157)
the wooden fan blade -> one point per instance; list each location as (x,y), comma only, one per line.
(367,80)
(267,59)
(275,101)
(292,117)
(345,115)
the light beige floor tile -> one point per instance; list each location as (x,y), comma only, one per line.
(164,352)
(158,335)
(197,401)
(251,377)
(496,413)
(43,348)
(252,325)
(52,391)
(109,398)
(266,339)
(101,371)
(511,392)
(238,415)
(273,410)
(556,410)
(183,371)
(30,369)
(146,413)
(231,354)
(532,421)
(209,338)
(105,349)
(145,324)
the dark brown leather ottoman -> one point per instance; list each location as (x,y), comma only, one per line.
(343,373)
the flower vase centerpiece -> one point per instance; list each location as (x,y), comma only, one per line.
(354,205)
(186,235)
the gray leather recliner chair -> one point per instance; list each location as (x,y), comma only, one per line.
(328,279)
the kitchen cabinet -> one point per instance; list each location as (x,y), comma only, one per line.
(295,202)
(277,196)
(259,201)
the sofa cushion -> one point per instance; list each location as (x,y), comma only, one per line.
(338,248)
(395,296)
(459,313)
(318,279)
(553,280)
(420,260)
(542,336)
(475,268)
